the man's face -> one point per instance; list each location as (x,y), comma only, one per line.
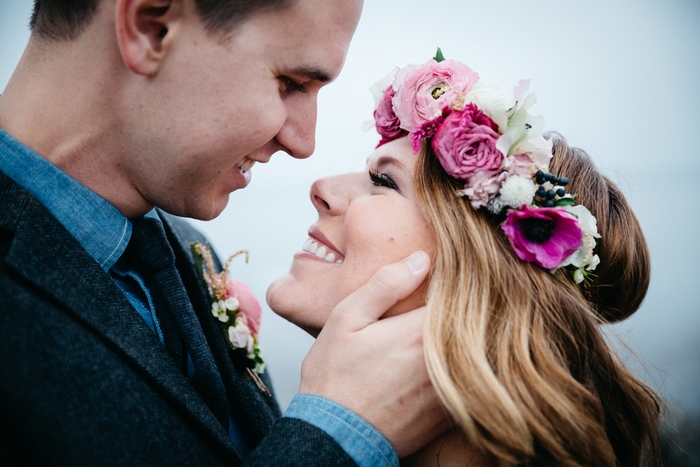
(217,106)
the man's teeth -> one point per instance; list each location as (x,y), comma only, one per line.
(320,250)
(245,164)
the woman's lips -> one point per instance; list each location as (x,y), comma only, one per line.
(319,246)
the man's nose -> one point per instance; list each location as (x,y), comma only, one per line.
(298,134)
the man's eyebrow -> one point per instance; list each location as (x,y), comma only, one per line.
(310,73)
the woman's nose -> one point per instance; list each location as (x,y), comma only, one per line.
(332,195)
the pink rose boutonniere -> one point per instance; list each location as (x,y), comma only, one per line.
(237,310)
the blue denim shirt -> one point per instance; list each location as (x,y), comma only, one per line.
(104,232)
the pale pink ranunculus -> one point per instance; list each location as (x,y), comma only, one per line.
(544,236)
(422,91)
(249,306)
(465,143)
(484,186)
(386,121)
(520,164)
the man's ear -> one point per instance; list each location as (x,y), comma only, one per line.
(145,31)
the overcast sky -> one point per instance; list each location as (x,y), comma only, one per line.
(619,79)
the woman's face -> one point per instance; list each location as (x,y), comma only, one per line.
(365,221)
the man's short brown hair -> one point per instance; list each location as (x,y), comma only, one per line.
(66,19)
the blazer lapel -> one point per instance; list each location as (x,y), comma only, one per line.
(253,411)
(45,254)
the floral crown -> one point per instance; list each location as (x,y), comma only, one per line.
(489,140)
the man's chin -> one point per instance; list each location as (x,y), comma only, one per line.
(201,211)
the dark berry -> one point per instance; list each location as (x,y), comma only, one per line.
(549,203)
(561,192)
(563,181)
(550,194)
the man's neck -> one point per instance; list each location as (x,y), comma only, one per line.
(56,105)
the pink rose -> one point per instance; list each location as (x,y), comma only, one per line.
(248,305)
(386,121)
(422,91)
(544,236)
(483,187)
(465,143)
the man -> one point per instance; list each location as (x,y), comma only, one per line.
(108,354)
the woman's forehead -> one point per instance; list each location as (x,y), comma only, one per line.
(398,152)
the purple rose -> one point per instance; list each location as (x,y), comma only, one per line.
(386,121)
(465,143)
(545,236)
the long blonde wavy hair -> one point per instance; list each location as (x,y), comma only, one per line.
(516,353)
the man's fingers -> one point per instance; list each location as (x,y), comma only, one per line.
(388,285)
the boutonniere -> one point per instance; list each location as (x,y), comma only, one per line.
(237,310)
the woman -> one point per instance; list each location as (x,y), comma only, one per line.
(522,274)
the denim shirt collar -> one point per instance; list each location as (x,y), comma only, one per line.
(101,229)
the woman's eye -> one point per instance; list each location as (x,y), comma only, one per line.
(382,180)
(291,86)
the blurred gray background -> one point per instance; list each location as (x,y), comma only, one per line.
(619,79)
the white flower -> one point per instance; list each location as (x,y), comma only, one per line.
(496,205)
(583,257)
(240,335)
(578,276)
(219,312)
(592,263)
(380,87)
(231,303)
(586,221)
(491,97)
(517,190)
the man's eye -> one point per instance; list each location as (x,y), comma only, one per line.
(382,180)
(290,86)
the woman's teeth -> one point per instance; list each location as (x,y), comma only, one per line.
(245,164)
(320,250)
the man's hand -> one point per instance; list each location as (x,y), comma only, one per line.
(376,367)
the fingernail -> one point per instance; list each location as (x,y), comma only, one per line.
(417,261)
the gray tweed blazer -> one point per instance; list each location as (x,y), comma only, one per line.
(84,382)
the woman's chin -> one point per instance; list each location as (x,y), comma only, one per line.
(286,301)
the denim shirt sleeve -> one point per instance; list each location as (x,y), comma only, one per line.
(360,440)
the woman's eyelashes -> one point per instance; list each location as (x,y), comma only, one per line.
(382,180)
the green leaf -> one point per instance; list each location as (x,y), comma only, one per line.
(564,202)
(439,57)
(198,260)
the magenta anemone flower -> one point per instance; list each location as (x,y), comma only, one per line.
(545,236)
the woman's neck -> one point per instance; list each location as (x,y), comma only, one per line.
(447,450)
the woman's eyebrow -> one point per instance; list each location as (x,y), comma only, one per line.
(389,160)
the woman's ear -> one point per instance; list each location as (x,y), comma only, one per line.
(146,30)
